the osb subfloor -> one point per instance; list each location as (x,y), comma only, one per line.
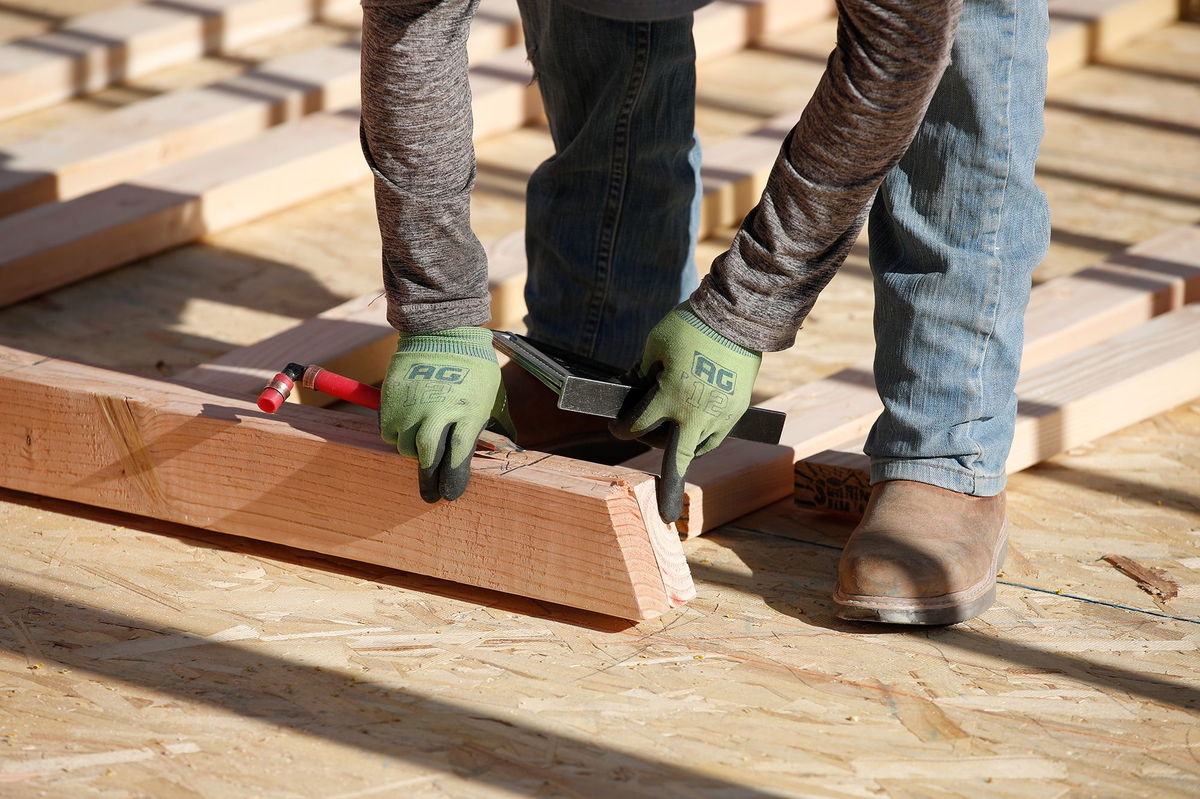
(144,659)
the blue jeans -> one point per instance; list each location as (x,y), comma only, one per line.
(956,228)
(611,218)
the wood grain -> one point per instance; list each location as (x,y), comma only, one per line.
(96,50)
(549,528)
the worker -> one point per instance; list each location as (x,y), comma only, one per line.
(932,109)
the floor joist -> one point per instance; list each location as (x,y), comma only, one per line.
(96,50)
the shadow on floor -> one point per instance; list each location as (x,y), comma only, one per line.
(796,577)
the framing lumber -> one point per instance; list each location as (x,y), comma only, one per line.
(1064,315)
(57,244)
(353,338)
(72,160)
(1077,398)
(75,159)
(1084,31)
(96,50)
(53,245)
(544,527)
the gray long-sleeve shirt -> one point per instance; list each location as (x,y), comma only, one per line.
(864,114)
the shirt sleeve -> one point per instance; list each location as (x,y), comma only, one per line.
(877,85)
(416,135)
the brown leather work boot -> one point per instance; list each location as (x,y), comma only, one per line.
(542,426)
(922,555)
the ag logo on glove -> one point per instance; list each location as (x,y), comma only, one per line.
(713,373)
(443,374)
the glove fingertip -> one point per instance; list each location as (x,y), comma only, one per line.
(427,484)
(670,501)
(454,480)
(429,474)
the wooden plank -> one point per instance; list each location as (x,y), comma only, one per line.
(1077,398)
(72,160)
(726,26)
(1064,315)
(549,528)
(57,244)
(96,50)
(353,338)
(1083,31)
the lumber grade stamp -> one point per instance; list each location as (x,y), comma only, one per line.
(550,528)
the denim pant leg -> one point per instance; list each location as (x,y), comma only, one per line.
(611,217)
(956,231)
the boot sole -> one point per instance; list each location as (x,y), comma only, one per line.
(926,611)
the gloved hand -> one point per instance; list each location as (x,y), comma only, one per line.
(700,387)
(441,390)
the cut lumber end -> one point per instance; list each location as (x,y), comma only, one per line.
(677,585)
(835,480)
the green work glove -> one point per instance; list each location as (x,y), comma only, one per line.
(699,387)
(441,390)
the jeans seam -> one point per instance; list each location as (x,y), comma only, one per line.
(925,463)
(994,293)
(614,196)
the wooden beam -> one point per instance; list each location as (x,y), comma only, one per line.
(96,50)
(72,160)
(1077,398)
(1084,31)
(57,244)
(550,528)
(353,338)
(1064,315)
(53,245)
